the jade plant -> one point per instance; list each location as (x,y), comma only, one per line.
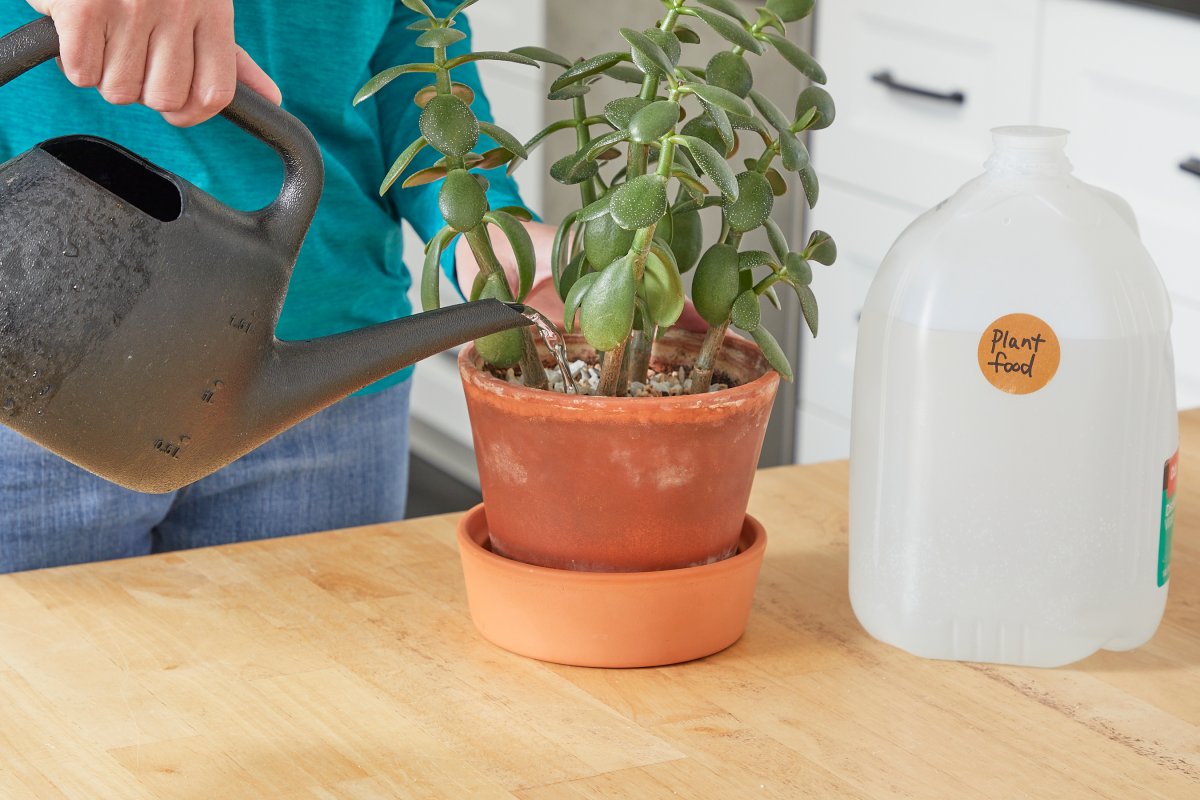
(646,165)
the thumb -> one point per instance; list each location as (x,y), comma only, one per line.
(251,74)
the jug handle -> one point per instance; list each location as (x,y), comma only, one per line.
(287,217)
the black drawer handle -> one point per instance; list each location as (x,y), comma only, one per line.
(1192,165)
(885,77)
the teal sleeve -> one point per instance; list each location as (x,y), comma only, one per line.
(398,117)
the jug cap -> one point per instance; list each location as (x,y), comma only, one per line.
(1030,150)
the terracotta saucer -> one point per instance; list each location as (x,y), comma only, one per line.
(609,619)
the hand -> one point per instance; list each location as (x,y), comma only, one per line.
(177,57)
(543,296)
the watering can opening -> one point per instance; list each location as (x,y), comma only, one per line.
(133,179)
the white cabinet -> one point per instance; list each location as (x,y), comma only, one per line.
(1135,122)
(919,84)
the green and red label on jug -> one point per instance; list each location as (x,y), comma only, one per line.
(1167,526)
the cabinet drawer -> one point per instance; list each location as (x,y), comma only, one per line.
(864,229)
(1134,120)
(888,137)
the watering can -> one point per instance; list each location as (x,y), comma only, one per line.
(137,313)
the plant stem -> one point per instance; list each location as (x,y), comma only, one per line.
(610,372)
(703,370)
(641,345)
(583,135)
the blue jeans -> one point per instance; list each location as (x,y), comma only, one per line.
(345,466)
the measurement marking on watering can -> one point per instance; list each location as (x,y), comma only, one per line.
(243,324)
(172,448)
(210,392)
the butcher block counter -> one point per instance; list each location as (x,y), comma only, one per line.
(345,665)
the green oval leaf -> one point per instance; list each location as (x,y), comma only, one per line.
(570,92)
(647,55)
(419,7)
(440,37)
(711,163)
(587,68)
(723,127)
(779,186)
(746,312)
(686,34)
(716,283)
(504,138)
(401,163)
(730,71)
(626,73)
(639,202)
(593,210)
(492,55)
(791,10)
(387,76)
(808,305)
(572,169)
(663,289)
(725,7)
(424,176)
(668,42)
(794,155)
(705,127)
(449,125)
(778,241)
(654,121)
(620,111)
(816,98)
(687,239)
(606,313)
(522,246)
(571,273)
(753,203)
(558,249)
(799,271)
(600,144)
(812,187)
(769,19)
(729,30)
(821,248)
(806,64)
(543,55)
(495,157)
(772,352)
(753,259)
(771,113)
(605,241)
(431,271)
(462,200)
(575,296)
(721,98)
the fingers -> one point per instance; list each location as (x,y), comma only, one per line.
(127,41)
(177,57)
(81,45)
(170,65)
(214,78)
(251,74)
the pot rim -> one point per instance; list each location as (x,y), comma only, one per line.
(768,381)
(752,530)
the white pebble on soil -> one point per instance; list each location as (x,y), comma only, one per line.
(587,380)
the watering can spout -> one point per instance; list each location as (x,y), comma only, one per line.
(305,376)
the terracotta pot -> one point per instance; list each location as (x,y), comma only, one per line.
(615,619)
(620,484)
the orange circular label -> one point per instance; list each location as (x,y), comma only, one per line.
(1018,353)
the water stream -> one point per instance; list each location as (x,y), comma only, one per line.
(554,342)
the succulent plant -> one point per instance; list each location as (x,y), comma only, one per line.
(645,166)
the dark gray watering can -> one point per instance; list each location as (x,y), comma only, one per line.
(137,313)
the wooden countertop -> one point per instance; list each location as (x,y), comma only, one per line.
(344,665)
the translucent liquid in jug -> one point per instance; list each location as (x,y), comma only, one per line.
(1014,424)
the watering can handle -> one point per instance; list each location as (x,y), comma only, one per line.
(287,217)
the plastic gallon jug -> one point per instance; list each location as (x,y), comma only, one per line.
(1014,433)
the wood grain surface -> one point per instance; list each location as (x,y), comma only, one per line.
(344,665)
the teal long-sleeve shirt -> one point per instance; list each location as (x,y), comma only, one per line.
(350,272)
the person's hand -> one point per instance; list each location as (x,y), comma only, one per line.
(177,57)
(542,296)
